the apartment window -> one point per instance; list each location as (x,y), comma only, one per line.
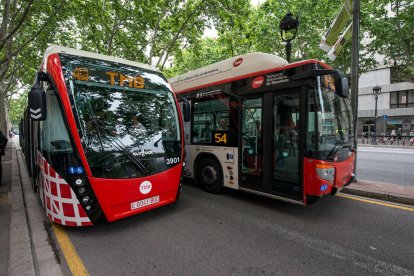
(400,99)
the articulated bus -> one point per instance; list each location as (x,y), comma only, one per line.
(102,137)
(261,125)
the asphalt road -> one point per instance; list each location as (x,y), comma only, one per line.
(241,234)
(389,165)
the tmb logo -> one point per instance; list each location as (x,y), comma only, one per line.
(257,82)
(237,62)
(145,187)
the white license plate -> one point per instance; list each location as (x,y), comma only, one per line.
(145,202)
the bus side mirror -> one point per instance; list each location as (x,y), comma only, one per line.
(186,111)
(37,102)
(341,84)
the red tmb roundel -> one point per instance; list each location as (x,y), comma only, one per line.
(257,82)
(237,62)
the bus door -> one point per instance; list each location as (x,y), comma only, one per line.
(251,147)
(286,161)
(270,153)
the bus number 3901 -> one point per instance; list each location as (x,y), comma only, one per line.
(173,160)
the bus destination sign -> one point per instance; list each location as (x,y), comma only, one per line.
(109,77)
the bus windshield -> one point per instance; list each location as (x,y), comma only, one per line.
(334,118)
(127,131)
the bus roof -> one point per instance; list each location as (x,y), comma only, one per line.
(226,69)
(70,51)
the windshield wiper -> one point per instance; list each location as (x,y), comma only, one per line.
(84,98)
(338,145)
(116,142)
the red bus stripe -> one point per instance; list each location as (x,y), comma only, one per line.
(54,67)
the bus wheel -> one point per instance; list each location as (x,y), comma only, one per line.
(210,176)
(180,190)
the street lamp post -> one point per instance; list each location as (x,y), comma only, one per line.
(288,29)
(376,91)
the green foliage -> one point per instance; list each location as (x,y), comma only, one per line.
(161,32)
(17,106)
(257,29)
(206,52)
(390,24)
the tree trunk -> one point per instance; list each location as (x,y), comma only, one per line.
(3,116)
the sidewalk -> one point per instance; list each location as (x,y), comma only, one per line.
(5,199)
(27,249)
(402,145)
(24,242)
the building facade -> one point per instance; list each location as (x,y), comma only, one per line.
(395,108)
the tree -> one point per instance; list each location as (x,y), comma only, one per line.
(389,26)
(22,25)
(160,31)
(145,31)
(206,52)
(244,29)
(136,30)
(17,106)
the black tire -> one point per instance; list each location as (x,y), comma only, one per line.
(180,190)
(210,175)
(311,200)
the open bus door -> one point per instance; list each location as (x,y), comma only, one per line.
(271,155)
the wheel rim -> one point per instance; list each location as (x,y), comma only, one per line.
(209,175)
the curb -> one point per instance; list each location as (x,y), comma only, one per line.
(387,146)
(44,259)
(21,258)
(395,198)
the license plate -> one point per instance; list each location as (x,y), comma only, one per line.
(145,202)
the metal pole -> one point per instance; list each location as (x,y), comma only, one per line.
(288,50)
(374,137)
(354,73)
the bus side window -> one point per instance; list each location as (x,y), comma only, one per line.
(54,135)
(206,118)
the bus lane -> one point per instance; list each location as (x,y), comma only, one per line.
(239,233)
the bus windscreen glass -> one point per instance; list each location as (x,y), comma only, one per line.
(334,118)
(127,116)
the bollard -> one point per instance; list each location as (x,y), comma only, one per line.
(403,141)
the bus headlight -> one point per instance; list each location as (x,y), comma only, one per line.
(326,172)
(78,182)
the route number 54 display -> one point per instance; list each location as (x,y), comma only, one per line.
(220,138)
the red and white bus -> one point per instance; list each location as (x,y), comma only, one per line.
(264,126)
(102,137)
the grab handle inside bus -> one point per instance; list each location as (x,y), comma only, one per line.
(37,100)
